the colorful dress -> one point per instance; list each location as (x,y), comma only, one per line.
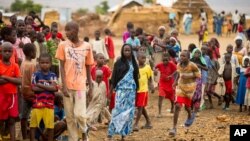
(123,113)
(241,87)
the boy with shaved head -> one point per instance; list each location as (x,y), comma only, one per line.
(76,59)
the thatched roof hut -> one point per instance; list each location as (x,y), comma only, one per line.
(194,7)
(148,18)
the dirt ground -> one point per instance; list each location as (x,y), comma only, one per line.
(205,128)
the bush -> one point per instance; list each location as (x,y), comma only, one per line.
(27,6)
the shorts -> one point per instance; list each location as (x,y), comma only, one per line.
(183,100)
(45,114)
(25,108)
(112,101)
(169,94)
(9,106)
(141,99)
(229,86)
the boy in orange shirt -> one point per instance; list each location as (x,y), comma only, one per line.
(76,59)
(9,79)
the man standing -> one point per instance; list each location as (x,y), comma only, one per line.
(76,59)
(236,20)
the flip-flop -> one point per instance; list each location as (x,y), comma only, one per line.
(147,127)
(190,121)
(172,132)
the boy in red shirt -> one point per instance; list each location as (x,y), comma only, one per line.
(167,70)
(110,47)
(100,59)
(9,79)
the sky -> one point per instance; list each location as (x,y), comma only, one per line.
(217,5)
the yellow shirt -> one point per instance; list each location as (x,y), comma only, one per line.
(205,37)
(145,74)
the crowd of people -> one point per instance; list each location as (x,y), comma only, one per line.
(51,84)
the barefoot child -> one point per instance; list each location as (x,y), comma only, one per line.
(247,95)
(167,71)
(142,94)
(212,79)
(44,85)
(9,79)
(110,47)
(98,101)
(188,72)
(228,72)
(200,61)
(27,69)
(242,83)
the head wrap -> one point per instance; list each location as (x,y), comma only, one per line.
(162,28)
(238,38)
(203,61)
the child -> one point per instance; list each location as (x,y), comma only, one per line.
(8,34)
(110,47)
(174,46)
(52,45)
(229,27)
(40,45)
(105,69)
(9,79)
(186,86)
(215,47)
(126,34)
(167,71)
(134,42)
(33,36)
(199,60)
(203,27)
(247,95)
(86,39)
(99,45)
(142,94)
(205,36)
(212,79)
(228,72)
(98,100)
(44,85)
(76,59)
(234,59)
(20,40)
(242,82)
(27,69)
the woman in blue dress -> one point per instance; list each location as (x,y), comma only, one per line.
(125,83)
(242,82)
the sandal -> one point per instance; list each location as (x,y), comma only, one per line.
(190,121)
(172,132)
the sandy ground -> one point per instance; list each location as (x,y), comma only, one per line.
(205,128)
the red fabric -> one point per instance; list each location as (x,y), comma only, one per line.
(229,87)
(36,27)
(169,94)
(165,71)
(106,74)
(13,58)
(240,28)
(59,36)
(112,101)
(9,106)
(110,47)
(141,99)
(216,53)
(12,71)
(248,78)
(183,100)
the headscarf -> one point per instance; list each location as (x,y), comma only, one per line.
(203,61)
(238,38)
(162,27)
(243,60)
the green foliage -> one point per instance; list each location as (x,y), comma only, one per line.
(148,1)
(82,11)
(27,6)
(102,8)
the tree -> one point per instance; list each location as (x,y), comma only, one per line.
(148,1)
(82,11)
(29,5)
(102,8)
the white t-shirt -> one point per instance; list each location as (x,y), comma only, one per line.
(204,15)
(186,16)
(236,18)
